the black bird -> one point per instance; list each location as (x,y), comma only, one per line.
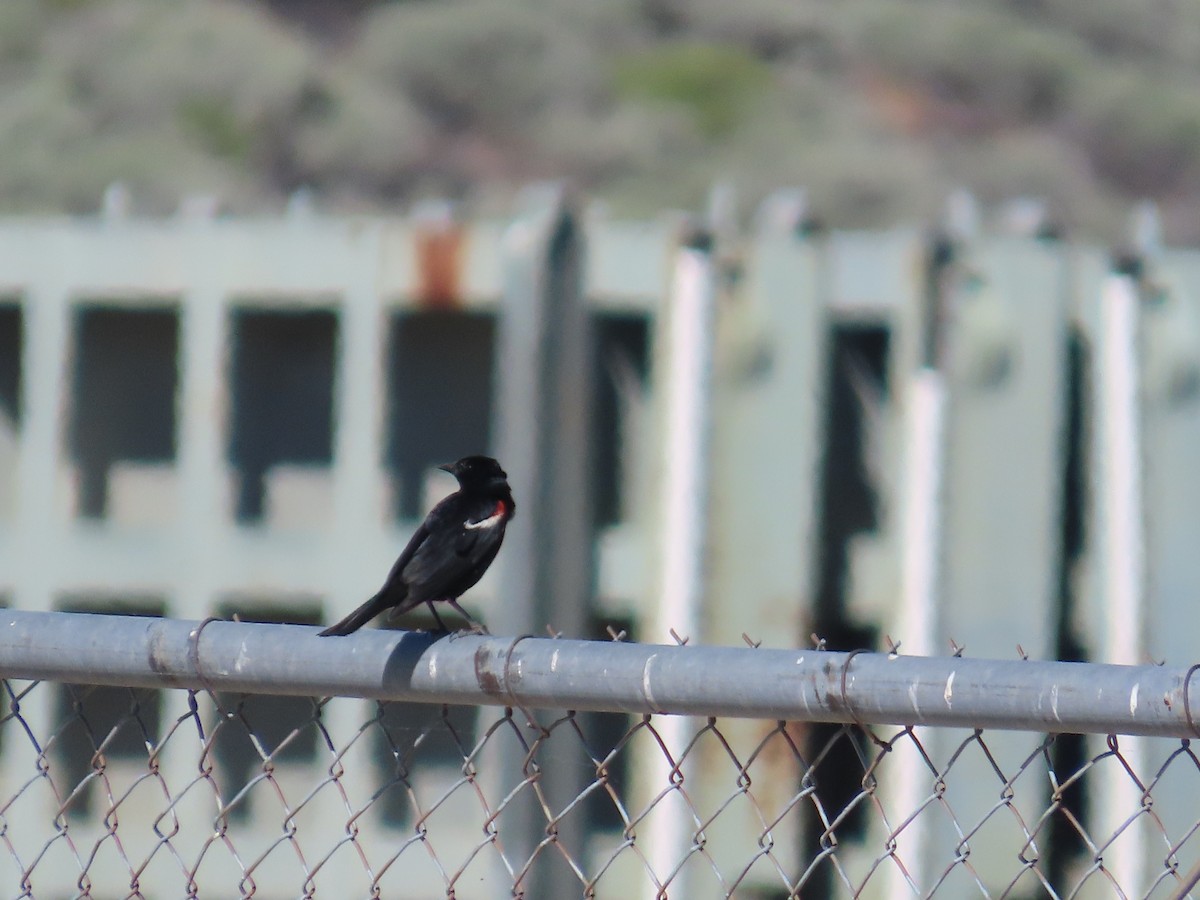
(450,551)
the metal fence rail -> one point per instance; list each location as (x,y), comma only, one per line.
(111,787)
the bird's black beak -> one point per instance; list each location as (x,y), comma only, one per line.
(447,467)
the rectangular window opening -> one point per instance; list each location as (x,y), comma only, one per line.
(127,722)
(123,394)
(440,384)
(283,368)
(285,727)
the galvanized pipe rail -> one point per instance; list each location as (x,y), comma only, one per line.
(796,685)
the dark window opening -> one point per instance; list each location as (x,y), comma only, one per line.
(123,405)
(284,727)
(440,371)
(412,738)
(622,361)
(848,501)
(1069,752)
(10,362)
(603,732)
(9,692)
(848,506)
(125,722)
(12,693)
(282,397)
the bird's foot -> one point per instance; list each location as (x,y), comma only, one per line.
(473,626)
(476,628)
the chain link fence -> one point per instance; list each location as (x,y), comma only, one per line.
(205,790)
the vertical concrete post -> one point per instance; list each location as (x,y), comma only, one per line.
(543,421)
(44,386)
(1122,546)
(543,416)
(920,558)
(203,414)
(686,356)
(359,399)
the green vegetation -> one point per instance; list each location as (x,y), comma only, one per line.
(878,107)
(716,85)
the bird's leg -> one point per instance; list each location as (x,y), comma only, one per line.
(475,627)
(441,624)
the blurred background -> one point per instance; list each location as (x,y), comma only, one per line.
(859,325)
(877,107)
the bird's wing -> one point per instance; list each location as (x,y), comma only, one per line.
(406,555)
(452,554)
(482,530)
(465,541)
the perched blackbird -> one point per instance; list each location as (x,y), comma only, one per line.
(450,551)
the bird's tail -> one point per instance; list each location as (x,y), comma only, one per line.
(359,617)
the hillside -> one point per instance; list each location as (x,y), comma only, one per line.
(878,107)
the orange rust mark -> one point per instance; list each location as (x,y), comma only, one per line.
(439,266)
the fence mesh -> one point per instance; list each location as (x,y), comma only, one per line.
(115,792)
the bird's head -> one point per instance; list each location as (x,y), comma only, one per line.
(477,472)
